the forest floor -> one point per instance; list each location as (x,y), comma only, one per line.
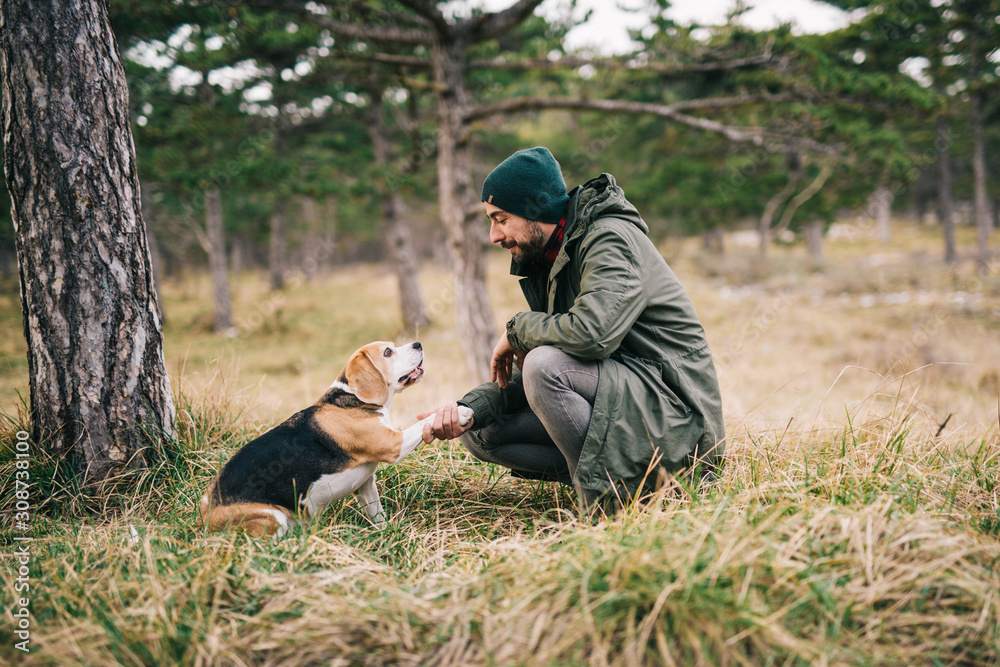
(856,521)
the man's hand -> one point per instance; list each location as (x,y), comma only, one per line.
(502,362)
(447,423)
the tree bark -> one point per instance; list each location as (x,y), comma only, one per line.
(399,241)
(983,223)
(946,206)
(477,331)
(217,261)
(279,244)
(813,233)
(154,251)
(97,379)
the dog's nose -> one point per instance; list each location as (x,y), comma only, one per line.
(417,346)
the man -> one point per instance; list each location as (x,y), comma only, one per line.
(616,385)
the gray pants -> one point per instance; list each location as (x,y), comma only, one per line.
(543,441)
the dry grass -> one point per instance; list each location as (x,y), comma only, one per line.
(848,527)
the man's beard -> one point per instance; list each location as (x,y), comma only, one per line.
(527,250)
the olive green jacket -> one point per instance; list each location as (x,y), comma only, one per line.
(611,297)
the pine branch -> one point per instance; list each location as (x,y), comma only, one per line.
(516,104)
(363,11)
(658,64)
(777,200)
(573,62)
(414,62)
(807,193)
(431,13)
(759,136)
(383,33)
(668,70)
(486,26)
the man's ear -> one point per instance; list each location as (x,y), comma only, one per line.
(366,379)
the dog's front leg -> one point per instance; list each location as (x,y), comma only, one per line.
(414,435)
(367,494)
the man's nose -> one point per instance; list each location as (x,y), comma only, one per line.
(496,236)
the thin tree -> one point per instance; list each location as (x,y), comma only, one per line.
(983,223)
(98,384)
(402,254)
(946,209)
(213,240)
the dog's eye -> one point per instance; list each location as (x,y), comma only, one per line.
(388,352)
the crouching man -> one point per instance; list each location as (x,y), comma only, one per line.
(614,386)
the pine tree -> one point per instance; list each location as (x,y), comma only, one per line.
(99,389)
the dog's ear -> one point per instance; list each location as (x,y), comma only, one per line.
(366,379)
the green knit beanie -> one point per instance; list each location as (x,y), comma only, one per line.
(530,184)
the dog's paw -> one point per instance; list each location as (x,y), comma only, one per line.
(464,415)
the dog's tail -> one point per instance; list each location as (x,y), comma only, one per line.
(205,506)
(256,519)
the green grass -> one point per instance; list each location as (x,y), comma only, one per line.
(847,528)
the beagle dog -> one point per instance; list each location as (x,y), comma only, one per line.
(324,453)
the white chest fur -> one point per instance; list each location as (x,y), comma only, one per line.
(336,486)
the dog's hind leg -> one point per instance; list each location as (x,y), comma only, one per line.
(367,495)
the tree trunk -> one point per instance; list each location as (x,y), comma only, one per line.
(279,246)
(813,233)
(403,256)
(238,254)
(217,261)
(398,239)
(713,240)
(329,234)
(946,207)
(880,207)
(466,235)
(983,223)
(97,379)
(309,213)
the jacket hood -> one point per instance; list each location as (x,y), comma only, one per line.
(601,197)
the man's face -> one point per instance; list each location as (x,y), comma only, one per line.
(524,238)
